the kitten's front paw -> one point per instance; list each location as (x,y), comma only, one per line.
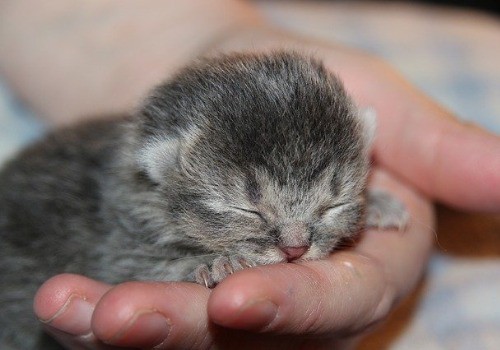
(385,212)
(221,267)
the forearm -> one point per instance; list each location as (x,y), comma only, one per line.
(69,60)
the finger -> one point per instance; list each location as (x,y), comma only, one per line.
(342,295)
(65,304)
(231,339)
(451,162)
(416,139)
(420,141)
(149,314)
(403,254)
(173,316)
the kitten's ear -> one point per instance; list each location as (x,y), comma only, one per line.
(158,155)
(368,118)
(162,134)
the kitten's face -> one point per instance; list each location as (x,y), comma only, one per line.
(252,214)
(258,155)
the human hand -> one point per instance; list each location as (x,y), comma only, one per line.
(319,304)
(422,152)
(417,139)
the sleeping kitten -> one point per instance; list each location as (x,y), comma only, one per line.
(238,161)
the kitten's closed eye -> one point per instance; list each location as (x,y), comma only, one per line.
(333,209)
(249,212)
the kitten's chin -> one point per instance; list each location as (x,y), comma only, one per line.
(275,255)
(313,253)
(272,255)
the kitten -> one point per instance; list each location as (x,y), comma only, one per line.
(239,160)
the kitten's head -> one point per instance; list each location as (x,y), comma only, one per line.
(259,155)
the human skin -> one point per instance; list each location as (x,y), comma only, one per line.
(421,154)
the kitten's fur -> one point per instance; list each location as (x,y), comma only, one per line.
(224,164)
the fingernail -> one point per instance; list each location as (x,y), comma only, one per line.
(255,314)
(145,330)
(73,317)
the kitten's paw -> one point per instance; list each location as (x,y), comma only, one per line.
(385,212)
(221,267)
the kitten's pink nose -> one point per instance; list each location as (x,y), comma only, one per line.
(293,253)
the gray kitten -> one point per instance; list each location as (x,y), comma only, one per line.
(239,160)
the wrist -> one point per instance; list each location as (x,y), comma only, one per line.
(98,57)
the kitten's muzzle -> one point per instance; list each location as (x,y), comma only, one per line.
(294,240)
(294,253)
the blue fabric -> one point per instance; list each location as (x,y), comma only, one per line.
(18,125)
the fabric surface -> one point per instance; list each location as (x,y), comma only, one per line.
(454,56)
(18,125)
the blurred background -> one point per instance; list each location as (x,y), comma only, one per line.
(450,50)
(486,5)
